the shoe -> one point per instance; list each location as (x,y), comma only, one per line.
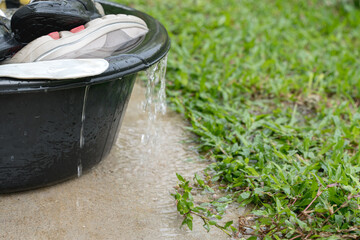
(8,45)
(39,17)
(99,38)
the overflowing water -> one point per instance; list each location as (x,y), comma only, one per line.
(155,102)
(125,197)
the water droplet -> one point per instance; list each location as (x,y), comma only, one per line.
(79,169)
(82,141)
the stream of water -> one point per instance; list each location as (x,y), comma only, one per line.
(155,102)
(82,139)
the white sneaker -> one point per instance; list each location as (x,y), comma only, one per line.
(99,38)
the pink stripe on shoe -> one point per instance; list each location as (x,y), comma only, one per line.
(77,29)
(54,35)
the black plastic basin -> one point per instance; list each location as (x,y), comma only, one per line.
(48,127)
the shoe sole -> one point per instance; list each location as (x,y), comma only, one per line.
(68,46)
(55,70)
(40,18)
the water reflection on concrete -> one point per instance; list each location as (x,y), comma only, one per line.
(127,196)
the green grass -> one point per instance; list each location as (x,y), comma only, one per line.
(272,90)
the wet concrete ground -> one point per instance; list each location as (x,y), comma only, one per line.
(127,196)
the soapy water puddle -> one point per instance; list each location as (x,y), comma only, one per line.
(126,196)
